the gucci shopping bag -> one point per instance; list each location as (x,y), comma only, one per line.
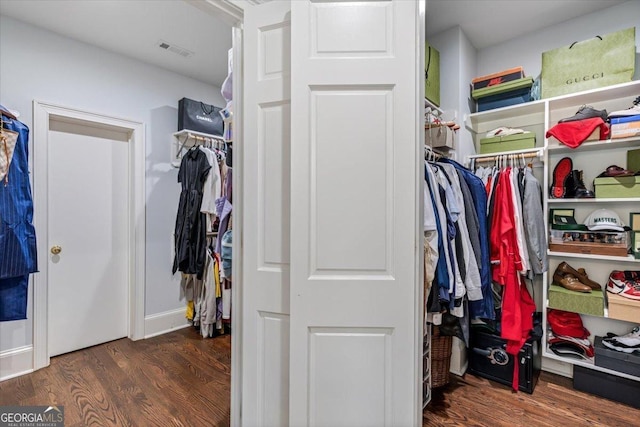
(200,117)
(601,61)
(432,74)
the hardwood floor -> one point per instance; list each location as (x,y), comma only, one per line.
(475,401)
(181,379)
(176,379)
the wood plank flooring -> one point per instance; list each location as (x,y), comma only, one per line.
(181,379)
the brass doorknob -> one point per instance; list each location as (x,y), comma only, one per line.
(56,249)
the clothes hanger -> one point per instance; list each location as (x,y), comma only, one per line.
(8,113)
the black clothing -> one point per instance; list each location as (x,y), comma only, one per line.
(191,226)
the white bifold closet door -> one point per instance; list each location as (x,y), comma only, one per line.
(355,189)
(331,188)
(265,249)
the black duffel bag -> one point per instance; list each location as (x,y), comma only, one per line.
(200,117)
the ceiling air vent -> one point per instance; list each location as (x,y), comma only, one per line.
(173,48)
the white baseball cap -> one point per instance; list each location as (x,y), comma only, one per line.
(604,219)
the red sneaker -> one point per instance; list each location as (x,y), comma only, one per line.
(624,283)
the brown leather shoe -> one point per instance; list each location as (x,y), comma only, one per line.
(583,273)
(580,273)
(569,281)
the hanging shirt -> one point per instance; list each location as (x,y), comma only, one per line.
(517,211)
(17,233)
(533,219)
(441,273)
(472,281)
(212,188)
(479,309)
(446,252)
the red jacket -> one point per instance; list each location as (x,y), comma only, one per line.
(517,305)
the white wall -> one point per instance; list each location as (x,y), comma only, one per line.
(38,64)
(457,66)
(527,50)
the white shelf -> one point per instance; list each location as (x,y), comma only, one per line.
(595,145)
(600,200)
(185,139)
(596,96)
(557,254)
(192,133)
(588,364)
(532,112)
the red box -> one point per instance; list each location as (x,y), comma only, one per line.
(498,78)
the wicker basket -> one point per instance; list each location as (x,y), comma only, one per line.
(440,358)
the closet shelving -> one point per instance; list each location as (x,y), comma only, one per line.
(185,139)
(592,157)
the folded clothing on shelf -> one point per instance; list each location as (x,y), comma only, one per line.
(574,133)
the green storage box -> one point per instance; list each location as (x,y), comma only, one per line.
(498,144)
(621,187)
(577,302)
(514,85)
(633,160)
(432,74)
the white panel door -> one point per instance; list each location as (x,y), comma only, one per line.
(265,248)
(355,234)
(88,220)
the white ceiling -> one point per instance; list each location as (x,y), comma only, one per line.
(134,27)
(490,22)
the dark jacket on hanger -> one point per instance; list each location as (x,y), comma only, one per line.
(191,224)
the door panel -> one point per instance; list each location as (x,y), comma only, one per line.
(265,247)
(88,219)
(355,207)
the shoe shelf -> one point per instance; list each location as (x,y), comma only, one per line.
(628,258)
(588,364)
(594,145)
(591,157)
(596,200)
(520,115)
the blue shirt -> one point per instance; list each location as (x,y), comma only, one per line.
(483,308)
(17,234)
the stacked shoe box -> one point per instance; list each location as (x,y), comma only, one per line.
(614,358)
(625,127)
(618,182)
(615,388)
(501,89)
(573,291)
(620,354)
(623,296)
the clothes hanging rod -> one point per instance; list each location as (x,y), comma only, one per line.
(205,138)
(539,151)
(506,156)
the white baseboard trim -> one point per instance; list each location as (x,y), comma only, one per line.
(16,362)
(557,367)
(161,323)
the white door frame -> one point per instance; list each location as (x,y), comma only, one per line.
(43,112)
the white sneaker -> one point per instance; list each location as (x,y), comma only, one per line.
(504,131)
(631,111)
(626,343)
